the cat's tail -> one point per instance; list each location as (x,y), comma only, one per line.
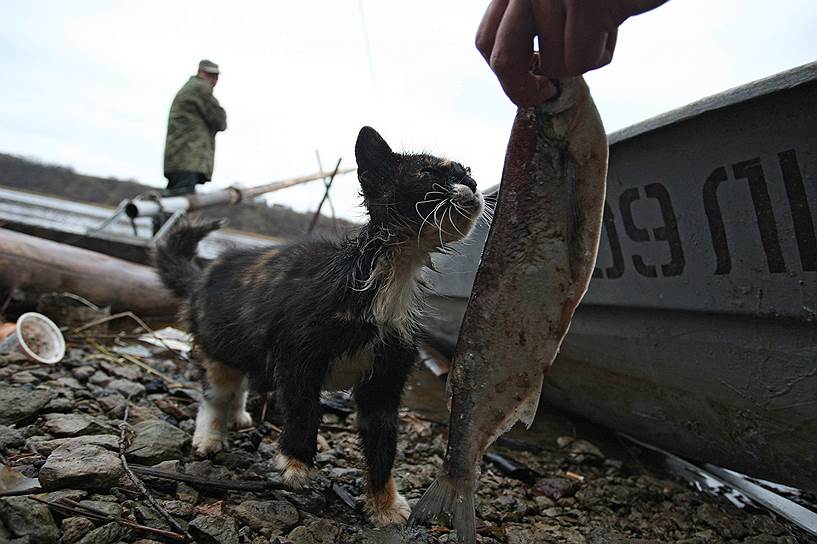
(175,253)
(446,494)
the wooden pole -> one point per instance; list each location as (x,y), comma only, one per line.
(42,266)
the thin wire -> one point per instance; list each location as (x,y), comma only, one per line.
(368,48)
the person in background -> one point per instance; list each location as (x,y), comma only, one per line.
(195,118)
(575,36)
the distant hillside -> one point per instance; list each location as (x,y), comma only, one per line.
(280,221)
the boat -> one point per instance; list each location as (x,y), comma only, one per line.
(698,331)
(126,232)
(94,227)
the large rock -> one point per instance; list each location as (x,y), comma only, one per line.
(20,405)
(66,425)
(267,514)
(26,518)
(82,466)
(214,530)
(156,441)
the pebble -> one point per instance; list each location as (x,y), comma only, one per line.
(10,437)
(321,531)
(107,534)
(19,405)
(82,466)
(46,446)
(267,514)
(74,528)
(214,530)
(128,388)
(26,518)
(156,441)
(65,425)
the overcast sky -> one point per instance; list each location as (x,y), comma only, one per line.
(88,84)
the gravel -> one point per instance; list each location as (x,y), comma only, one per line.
(576,491)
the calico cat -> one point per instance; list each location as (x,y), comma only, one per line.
(284,318)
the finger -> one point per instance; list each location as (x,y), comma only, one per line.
(486,33)
(610,47)
(587,37)
(512,56)
(550,21)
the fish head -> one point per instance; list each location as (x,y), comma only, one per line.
(429,200)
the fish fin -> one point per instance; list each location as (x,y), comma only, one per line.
(527,411)
(453,496)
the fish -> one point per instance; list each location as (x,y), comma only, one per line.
(535,268)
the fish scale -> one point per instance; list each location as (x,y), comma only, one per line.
(535,268)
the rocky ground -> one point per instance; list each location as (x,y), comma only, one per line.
(62,430)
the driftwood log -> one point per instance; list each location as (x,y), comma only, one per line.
(41,266)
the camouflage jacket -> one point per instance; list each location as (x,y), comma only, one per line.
(195,117)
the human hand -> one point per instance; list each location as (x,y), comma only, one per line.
(575,36)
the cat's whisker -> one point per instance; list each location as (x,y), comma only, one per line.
(451,220)
(458,209)
(427,201)
(425,219)
(439,225)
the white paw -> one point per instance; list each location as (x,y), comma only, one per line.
(294,473)
(207,442)
(241,420)
(396,512)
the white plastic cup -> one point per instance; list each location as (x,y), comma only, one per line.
(36,337)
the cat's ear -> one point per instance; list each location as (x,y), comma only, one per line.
(375,160)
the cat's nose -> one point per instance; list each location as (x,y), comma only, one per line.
(469,182)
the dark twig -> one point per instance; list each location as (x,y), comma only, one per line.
(229,485)
(67,506)
(123,447)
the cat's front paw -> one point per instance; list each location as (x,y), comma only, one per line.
(387,507)
(295,474)
(241,420)
(206,442)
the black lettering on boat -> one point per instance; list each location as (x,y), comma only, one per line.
(714,217)
(800,212)
(752,171)
(610,231)
(669,231)
(636,233)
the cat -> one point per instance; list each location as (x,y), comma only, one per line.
(284,318)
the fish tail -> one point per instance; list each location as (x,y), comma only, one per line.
(449,495)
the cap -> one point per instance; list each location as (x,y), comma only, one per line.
(208,67)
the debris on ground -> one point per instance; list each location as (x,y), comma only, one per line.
(64,429)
